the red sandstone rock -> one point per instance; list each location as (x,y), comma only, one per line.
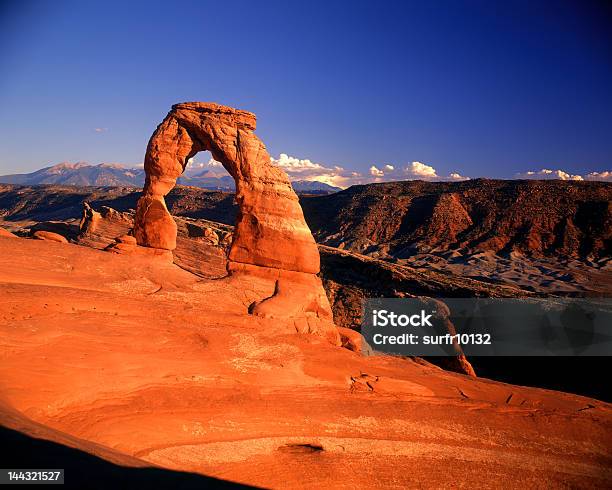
(126,245)
(270,228)
(49,235)
(353,340)
(127,239)
(297,296)
(99,229)
(120,247)
(211,236)
(549,218)
(160,365)
(6,234)
(89,220)
(271,238)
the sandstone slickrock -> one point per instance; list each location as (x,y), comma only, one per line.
(123,244)
(128,239)
(271,238)
(6,234)
(49,235)
(149,360)
(348,278)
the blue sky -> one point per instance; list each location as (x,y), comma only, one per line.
(475,88)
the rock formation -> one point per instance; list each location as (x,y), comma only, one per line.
(89,219)
(271,238)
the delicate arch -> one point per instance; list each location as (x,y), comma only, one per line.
(270,227)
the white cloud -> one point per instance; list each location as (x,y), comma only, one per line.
(548,174)
(414,171)
(192,164)
(296,168)
(305,169)
(418,169)
(376,172)
(605,176)
(100,130)
(295,165)
(456,176)
(545,173)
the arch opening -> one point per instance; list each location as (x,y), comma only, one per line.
(203,171)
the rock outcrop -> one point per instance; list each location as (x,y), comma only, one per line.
(89,220)
(271,239)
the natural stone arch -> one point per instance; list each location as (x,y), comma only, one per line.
(271,238)
(270,227)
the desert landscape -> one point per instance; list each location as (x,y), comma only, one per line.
(217,352)
(306,245)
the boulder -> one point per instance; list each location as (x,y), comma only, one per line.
(353,340)
(49,235)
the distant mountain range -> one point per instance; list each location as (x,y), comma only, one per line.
(313,187)
(113,174)
(81,174)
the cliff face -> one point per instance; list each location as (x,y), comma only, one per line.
(534,218)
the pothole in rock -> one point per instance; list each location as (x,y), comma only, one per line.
(308,448)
